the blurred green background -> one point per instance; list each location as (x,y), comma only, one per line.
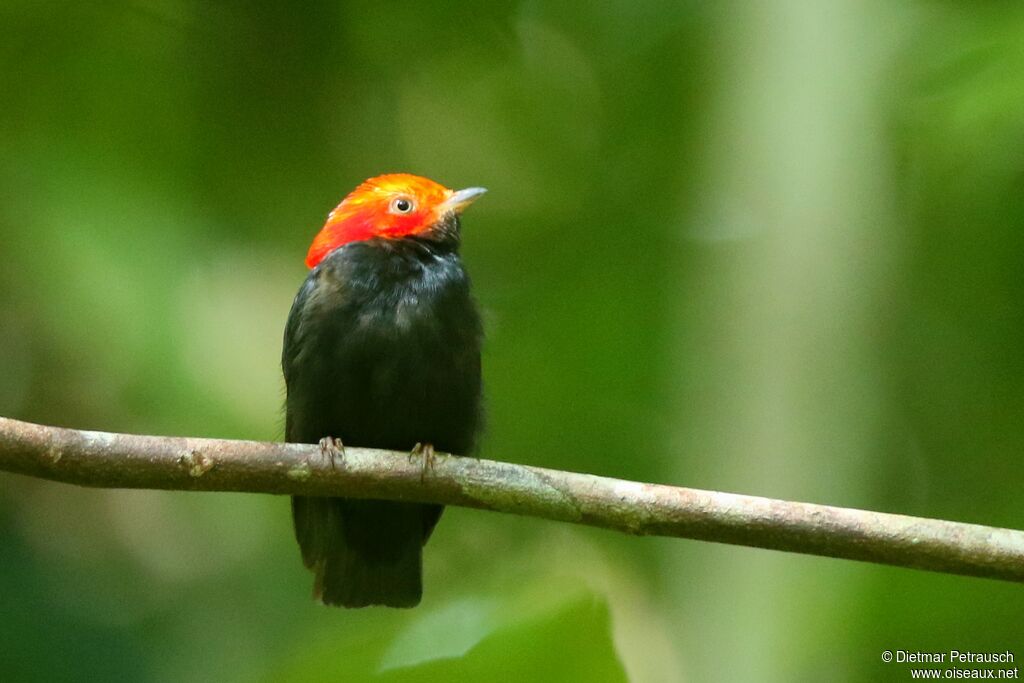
(770,248)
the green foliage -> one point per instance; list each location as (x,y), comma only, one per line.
(563,638)
(772,248)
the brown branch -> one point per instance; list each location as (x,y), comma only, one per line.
(102,459)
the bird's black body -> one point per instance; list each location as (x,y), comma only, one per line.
(382,350)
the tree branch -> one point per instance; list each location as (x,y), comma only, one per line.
(108,460)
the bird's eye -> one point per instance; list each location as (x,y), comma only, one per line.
(402,205)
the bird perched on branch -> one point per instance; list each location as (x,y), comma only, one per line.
(381,350)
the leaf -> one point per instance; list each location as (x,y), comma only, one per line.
(446,633)
(535,634)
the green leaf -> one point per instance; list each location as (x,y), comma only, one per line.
(532,635)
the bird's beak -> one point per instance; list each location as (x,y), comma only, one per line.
(460,199)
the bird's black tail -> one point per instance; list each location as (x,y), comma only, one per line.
(364,552)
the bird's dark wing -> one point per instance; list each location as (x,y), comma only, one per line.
(291,348)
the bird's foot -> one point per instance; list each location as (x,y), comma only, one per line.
(332,449)
(426,451)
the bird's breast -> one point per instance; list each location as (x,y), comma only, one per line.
(387,355)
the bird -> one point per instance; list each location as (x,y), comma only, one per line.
(381,350)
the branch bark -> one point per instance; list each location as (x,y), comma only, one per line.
(101,459)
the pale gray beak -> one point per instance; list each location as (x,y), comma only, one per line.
(460,199)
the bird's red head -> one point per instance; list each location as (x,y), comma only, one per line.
(390,206)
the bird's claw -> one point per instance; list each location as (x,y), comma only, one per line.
(425,450)
(332,448)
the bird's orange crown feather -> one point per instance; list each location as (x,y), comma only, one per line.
(390,206)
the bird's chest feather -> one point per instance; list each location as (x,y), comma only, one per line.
(394,318)
(392,349)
